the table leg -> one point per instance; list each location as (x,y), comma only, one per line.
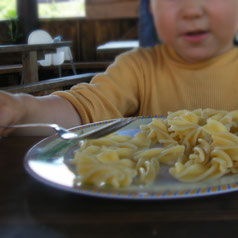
(30,67)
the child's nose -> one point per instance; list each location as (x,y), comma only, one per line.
(191,8)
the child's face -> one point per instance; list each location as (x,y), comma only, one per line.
(196,29)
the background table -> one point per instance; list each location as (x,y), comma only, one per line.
(30,55)
(30,209)
(110,50)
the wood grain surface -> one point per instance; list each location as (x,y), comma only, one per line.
(31,209)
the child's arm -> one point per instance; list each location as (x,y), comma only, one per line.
(24,108)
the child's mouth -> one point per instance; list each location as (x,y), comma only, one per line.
(195,36)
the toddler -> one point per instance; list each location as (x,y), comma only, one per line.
(196,66)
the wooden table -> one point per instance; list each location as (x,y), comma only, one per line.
(110,50)
(30,55)
(30,209)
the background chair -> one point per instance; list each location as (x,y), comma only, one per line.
(41,37)
(147,32)
(62,54)
(66,53)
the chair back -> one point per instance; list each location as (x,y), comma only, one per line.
(43,37)
(147,32)
(39,37)
(58,58)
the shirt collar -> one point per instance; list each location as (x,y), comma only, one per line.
(174,58)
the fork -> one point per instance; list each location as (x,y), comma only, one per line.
(68,135)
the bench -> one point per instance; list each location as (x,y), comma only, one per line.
(102,65)
(17,68)
(9,69)
(50,85)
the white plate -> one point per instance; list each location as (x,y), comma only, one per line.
(47,162)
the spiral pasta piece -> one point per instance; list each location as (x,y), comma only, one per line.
(196,145)
(147,170)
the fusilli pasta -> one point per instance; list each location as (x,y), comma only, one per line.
(196,145)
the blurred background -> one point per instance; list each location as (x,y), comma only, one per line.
(46,8)
(87,23)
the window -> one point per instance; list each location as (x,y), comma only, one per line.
(61,8)
(8,9)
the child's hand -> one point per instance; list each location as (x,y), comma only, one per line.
(25,108)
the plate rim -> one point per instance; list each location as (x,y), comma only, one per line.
(124,195)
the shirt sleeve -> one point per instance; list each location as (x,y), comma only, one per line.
(113,94)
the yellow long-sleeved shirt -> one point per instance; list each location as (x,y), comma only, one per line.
(154,81)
